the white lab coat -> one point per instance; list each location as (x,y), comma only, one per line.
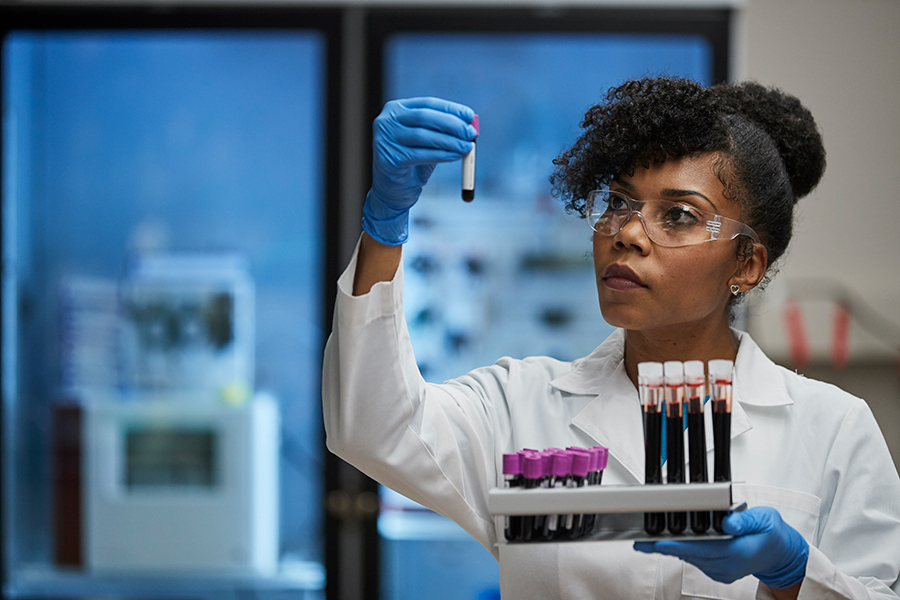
(806,448)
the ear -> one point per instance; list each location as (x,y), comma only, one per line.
(751,269)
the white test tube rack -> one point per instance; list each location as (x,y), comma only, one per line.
(619,509)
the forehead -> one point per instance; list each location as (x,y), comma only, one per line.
(691,179)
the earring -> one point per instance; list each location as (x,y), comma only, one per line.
(735,289)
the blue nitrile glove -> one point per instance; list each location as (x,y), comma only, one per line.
(410,137)
(765,547)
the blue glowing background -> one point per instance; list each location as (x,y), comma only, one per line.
(184,142)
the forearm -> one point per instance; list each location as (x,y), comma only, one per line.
(375,262)
(790,593)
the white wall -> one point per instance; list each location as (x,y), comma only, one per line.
(842,59)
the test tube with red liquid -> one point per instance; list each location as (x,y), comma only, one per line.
(720,381)
(650,386)
(674,392)
(695,390)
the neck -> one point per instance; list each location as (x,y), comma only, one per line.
(685,342)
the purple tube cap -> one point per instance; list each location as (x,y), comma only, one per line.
(602,457)
(512,464)
(533,466)
(561,464)
(580,463)
(474,123)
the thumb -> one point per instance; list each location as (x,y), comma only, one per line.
(754,520)
(739,523)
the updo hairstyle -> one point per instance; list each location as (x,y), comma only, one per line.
(770,151)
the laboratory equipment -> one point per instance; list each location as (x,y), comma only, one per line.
(181,486)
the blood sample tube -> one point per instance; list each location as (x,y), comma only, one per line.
(674,380)
(574,524)
(532,476)
(720,378)
(560,472)
(602,454)
(512,475)
(468,168)
(694,389)
(650,384)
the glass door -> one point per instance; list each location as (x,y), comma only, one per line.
(163,307)
(510,273)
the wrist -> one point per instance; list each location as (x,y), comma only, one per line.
(790,574)
(384,223)
(791,593)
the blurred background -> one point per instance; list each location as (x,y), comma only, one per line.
(182,186)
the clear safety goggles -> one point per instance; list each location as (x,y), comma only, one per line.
(667,223)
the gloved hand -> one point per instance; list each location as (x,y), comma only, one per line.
(410,138)
(765,547)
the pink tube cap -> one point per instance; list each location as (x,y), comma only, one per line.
(474,124)
(533,466)
(561,464)
(580,463)
(602,457)
(512,464)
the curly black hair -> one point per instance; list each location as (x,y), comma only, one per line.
(770,150)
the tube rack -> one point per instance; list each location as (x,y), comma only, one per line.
(619,509)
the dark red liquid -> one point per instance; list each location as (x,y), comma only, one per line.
(654,523)
(722,460)
(514,523)
(677,521)
(700,520)
(529,522)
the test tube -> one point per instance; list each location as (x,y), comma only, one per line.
(674,391)
(602,454)
(650,384)
(581,460)
(512,475)
(532,476)
(560,472)
(546,460)
(694,392)
(720,378)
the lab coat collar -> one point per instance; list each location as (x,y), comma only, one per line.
(614,417)
(757,380)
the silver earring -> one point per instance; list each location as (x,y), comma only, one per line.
(735,289)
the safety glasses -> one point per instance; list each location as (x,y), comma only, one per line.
(667,223)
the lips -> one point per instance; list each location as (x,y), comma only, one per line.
(621,277)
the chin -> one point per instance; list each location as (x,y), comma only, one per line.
(622,316)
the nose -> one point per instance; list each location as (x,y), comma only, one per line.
(633,233)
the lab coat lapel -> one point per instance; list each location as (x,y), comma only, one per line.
(613,418)
(757,382)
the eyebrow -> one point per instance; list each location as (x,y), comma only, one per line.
(673,193)
(669,192)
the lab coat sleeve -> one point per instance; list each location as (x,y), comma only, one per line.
(858,554)
(431,443)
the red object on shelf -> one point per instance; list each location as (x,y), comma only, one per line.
(796,332)
(840,336)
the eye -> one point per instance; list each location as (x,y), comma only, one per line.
(617,203)
(682,215)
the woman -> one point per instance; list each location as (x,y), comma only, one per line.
(657,157)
